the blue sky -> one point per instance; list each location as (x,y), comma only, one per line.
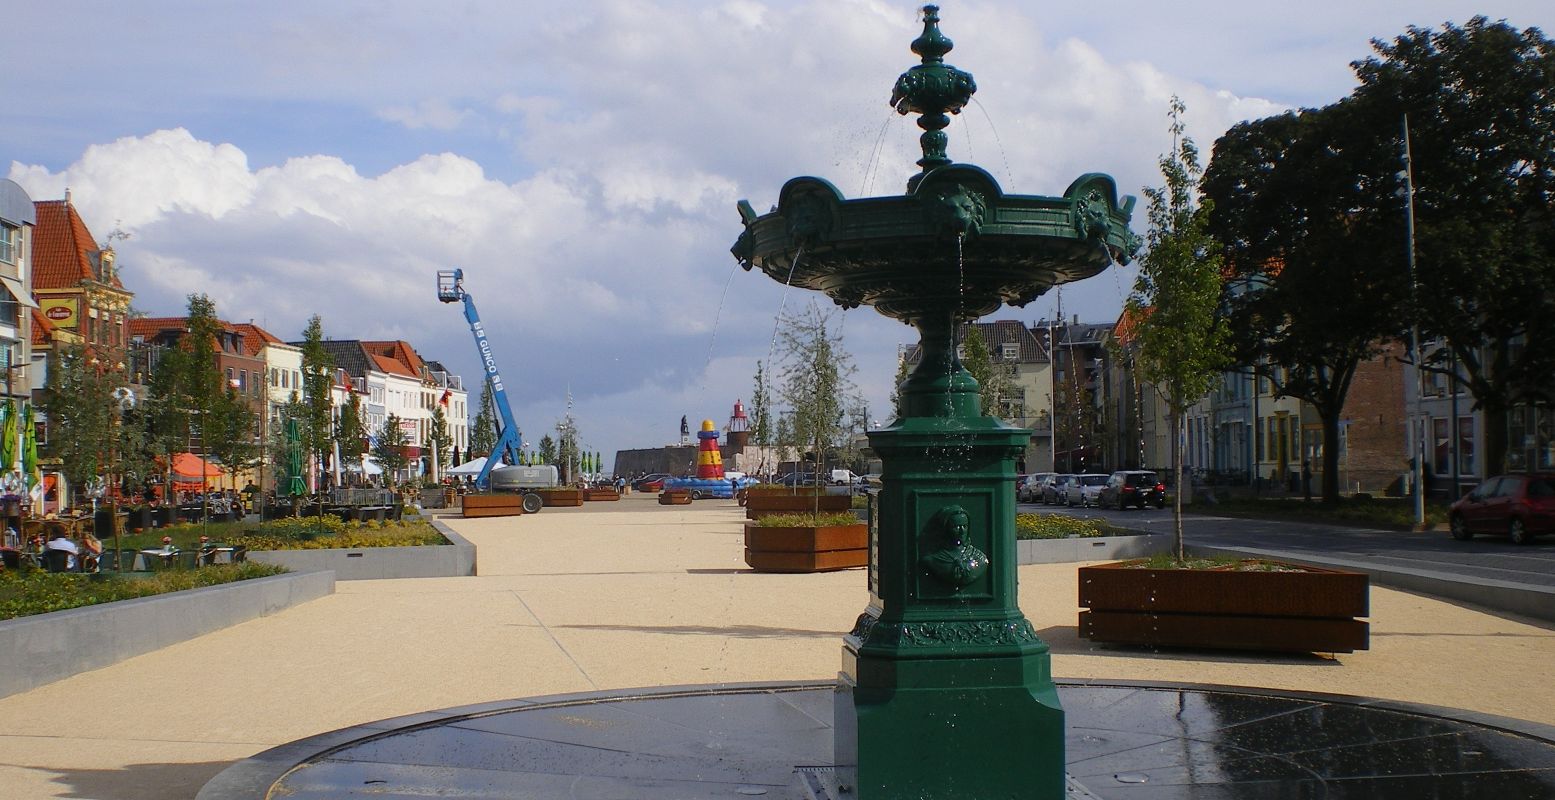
(581,161)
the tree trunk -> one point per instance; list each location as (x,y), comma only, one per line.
(1177,455)
(1496,445)
(1330,458)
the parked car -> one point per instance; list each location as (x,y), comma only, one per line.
(1085,490)
(1133,487)
(1029,490)
(1055,489)
(797,479)
(650,483)
(1520,506)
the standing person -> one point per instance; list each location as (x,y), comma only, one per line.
(1306,479)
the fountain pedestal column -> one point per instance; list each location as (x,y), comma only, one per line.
(945,690)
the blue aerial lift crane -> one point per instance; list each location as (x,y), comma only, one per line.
(450,289)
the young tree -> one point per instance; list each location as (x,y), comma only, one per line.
(318,371)
(1181,338)
(483,431)
(351,431)
(817,380)
(568,455)
(229,431)
(389,451)
(993,382)
(81,408)
(439,439)
(896,388)
(547,453)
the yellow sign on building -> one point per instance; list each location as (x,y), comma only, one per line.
(64,312)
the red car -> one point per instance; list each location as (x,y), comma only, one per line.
(1520,506)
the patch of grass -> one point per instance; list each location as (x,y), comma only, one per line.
(808,520)
(1213,563)
(294,533)
(1059,526)
(1375,512)
(33,591)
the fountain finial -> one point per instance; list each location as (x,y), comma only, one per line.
(933,90)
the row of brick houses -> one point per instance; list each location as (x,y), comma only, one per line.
(1075,387)
(62,289)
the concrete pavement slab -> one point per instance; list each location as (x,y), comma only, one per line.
(573,600)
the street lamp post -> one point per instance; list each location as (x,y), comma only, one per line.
(1408,176)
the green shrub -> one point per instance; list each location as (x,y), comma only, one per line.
(824,519)
(32,591)
(293,533)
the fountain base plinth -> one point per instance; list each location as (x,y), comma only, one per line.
(986,727)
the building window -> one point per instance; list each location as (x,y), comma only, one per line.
(10,243)
(1466,446)
(1010,351)
(243,381)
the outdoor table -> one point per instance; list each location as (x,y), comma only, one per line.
(166,557)
(216,554)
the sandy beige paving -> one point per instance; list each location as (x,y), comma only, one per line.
(636,595)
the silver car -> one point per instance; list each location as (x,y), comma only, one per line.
(1085,490)
(1053,489)
(1030,489)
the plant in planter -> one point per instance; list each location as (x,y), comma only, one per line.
(1225,603)
(1177,342)
(806,542)
(765,500)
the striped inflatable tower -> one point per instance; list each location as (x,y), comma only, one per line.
(710,462)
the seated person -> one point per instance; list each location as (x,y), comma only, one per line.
(91,549)
(62,542)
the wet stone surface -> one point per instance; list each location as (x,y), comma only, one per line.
(1125,742)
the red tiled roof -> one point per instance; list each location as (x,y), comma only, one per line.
(42,329)
(254,337)
(61,245)
(389,365)
(400,351)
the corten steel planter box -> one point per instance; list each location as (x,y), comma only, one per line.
(762,505)
(591,495)
(806,548)
(553,498)
(493,505)
(674,497)
(1311,610)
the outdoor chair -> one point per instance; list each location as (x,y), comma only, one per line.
(56,560)
(127,560)
(188,559)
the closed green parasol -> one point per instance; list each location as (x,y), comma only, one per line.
(30,449)
(295,485)
(8,438)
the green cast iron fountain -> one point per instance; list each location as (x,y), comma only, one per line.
(945,690)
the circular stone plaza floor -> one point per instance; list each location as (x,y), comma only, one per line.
(1125,741)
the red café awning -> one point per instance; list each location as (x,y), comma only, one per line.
(189,468)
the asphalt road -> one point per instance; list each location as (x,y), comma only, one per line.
(1481,558)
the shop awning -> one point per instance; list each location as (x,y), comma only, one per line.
(18,291)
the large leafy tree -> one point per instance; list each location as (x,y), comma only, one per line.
(817,383)
(318,372)
(547,453)
(1480,100)
(1301,204)
(1181,338)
